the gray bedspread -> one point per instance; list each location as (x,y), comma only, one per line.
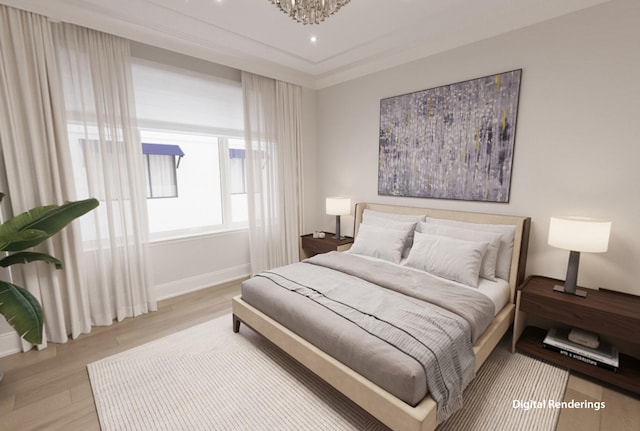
(430,321)
(476,308)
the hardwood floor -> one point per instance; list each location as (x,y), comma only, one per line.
(50,389)
(621,410)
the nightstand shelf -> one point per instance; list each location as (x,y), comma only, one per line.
(604,312)
(310,246)
(627,376)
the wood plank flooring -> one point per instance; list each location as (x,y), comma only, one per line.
(621,410)
(50,389)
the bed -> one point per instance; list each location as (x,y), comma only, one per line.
(289,307)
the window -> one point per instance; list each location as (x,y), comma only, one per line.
(237,168)
(160,168)
(237,181)
(193,147)
(200,115)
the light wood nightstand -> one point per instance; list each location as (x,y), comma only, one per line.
(605,312)
(310,246)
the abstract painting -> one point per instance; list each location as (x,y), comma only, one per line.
(451,142)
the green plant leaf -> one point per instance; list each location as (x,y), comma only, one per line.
(17,305)
(50,219)
(28,256)
(18,223)
(22,311)
(8,237)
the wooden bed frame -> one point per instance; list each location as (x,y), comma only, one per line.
(390,410)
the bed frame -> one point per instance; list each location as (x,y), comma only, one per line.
(388,409)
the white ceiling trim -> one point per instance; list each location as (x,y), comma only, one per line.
(445,25)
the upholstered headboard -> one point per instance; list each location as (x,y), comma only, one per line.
(521,239)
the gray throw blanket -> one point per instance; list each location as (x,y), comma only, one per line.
(392,304)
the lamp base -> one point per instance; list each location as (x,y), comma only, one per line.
(578,292)
(337,236)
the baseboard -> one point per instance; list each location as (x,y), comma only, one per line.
(202,281)
(9,344)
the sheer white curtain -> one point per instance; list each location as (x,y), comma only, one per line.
(100,105)
(86,74)
(273,157)
(36,158)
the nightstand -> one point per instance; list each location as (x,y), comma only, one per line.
(310,246)
(605,312)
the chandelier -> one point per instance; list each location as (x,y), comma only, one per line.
(309,11)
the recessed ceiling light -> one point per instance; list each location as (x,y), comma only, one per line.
(313,39)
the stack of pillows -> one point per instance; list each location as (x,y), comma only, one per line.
(459,251)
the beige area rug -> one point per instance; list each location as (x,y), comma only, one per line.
(505,392)
(208,378)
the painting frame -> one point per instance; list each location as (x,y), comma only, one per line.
(454,141)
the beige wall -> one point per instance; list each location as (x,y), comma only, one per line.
(577,147)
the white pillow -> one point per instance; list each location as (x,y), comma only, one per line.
(488,267)
(450,258)
(503,264)
(390,223)
(379,242)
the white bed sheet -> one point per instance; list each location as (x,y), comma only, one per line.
(497,291)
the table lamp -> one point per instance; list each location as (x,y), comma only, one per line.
(338,206)
(577,234)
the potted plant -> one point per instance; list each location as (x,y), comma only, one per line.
(17,305)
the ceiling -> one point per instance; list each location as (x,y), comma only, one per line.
(363,37)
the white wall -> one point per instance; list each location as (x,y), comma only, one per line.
(188,264)
(577,148)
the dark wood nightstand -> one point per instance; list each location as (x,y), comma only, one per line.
(310,246)
(605,312)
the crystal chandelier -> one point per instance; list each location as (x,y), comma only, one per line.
(309,11)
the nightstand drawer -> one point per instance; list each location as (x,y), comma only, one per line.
(604,312)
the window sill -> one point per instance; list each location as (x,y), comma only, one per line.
(194,235)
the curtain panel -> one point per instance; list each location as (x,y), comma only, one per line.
(36,158)
(100,105)
(62,86)
(273,157)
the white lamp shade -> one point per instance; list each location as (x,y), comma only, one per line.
(579,234)
(338,206)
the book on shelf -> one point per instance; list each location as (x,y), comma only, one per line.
(606,353)
(582,358)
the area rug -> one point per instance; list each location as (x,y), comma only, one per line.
(208,378)
(511,392)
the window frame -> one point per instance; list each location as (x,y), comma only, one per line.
(216,112)
(225,187)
